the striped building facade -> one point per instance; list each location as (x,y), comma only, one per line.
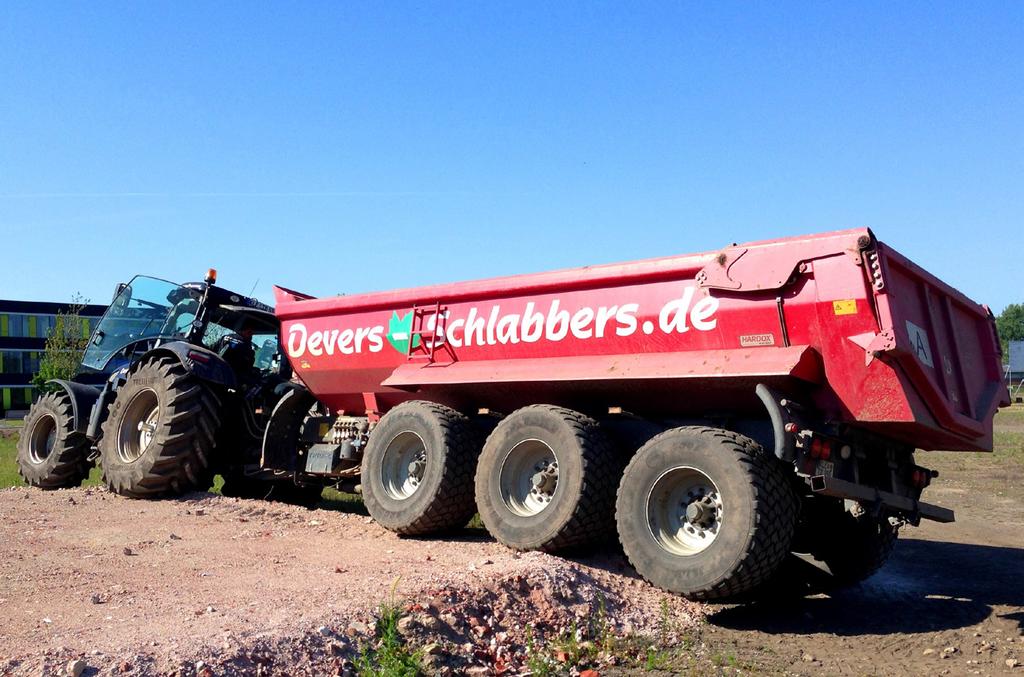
(24,326)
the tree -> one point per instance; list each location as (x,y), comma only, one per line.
(64,345)
(1011,325)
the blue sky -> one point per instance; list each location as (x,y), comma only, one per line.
(345,147)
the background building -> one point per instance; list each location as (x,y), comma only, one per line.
(24,326)
(1015,368)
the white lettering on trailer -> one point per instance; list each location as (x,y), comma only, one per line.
(326,342)
(919,342)
(489,327)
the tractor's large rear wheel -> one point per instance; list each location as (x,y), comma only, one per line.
(705,512)
(417,471)
(51,454)
(158,438)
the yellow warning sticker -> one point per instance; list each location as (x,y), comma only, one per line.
(847,307)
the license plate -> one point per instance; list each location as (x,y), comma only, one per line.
(826,468)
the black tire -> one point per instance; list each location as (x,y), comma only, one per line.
(743,517)
(438,494)
(277,491)
(51,454)
(183,414)
(573,510)
(854,544)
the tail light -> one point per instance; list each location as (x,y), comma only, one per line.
(198,357)
(821,449)
(920,477)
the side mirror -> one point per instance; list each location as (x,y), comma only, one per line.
(119,288)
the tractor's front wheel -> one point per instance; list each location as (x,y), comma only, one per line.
(159,436)
(51,453)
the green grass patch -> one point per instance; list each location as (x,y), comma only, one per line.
(1009,445)
(8,465)
(342,502)
(1012,415)
(389,656)
(587,645)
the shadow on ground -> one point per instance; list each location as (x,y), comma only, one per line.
(926,586)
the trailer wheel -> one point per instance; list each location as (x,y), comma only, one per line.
(417,470)
(704,512)
(159,436)
(546,480)
(51,454)
(855,544)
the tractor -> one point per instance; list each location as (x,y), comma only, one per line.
(176,385)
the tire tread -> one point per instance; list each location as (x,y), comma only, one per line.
(592,519)
(775,507)
(186,441)
(71,466)
(454,504)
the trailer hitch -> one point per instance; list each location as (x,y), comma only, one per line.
(914,510)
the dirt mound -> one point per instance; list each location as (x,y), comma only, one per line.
(212,585)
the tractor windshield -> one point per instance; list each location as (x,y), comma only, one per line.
(146,308)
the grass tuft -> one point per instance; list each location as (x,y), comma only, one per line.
(388,656)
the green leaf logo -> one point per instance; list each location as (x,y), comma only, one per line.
(399,331)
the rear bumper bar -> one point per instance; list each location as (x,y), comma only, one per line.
(829,486)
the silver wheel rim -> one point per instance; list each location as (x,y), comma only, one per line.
(684,511)
(42,439)
(403,466)
(528,477)
(138,425)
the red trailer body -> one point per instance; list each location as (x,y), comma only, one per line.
(717,411)
(838,320)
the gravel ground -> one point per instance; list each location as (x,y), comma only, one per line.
(949,602)
(212,585)
(206,585)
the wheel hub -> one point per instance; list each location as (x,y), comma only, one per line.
(403,466)
(42,438)
(137,428)
(416,470)
(528,477)
(698,514)
(147,428)
(684,511)
(545,480)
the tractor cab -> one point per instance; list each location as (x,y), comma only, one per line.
(147,313)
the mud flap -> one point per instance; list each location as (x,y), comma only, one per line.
(82,396)
(280,451)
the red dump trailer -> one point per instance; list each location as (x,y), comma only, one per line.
(719,410)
